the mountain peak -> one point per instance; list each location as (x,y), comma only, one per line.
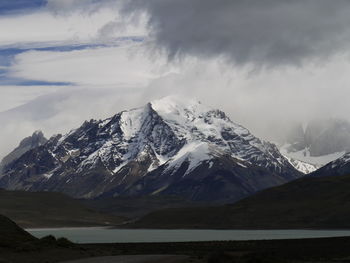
(37,139)
(38,133)
(177,100)
(176,105)
(190,113)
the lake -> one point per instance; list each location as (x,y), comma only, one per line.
(107,235)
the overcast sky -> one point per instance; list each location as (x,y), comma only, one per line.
(265,63)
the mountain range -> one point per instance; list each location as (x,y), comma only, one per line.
(172,146)
(169,154)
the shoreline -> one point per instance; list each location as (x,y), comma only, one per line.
(100,235)
(116,227)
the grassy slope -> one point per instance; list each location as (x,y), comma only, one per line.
(135,207)
(305,203)
(45,209)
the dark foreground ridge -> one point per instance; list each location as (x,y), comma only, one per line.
(10,233)
(312,202)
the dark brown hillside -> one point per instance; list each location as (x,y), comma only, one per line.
(46,209)
(312,202)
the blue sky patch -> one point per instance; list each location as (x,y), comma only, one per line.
(17,6)
(5,81)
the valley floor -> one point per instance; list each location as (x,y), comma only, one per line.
(135,259)
(298,250)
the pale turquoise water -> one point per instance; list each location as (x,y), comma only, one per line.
(105,235)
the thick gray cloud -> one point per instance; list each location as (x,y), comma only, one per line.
(262,33)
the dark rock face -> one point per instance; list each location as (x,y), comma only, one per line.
(31,142)
(169,147)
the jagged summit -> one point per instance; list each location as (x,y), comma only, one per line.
(189,114)
(37,139)
(180,106)
(171,146)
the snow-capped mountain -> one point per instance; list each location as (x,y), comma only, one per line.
(318,142)
(171,146)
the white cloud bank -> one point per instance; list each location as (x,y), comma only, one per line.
(14,96)
(265,102)
(44,28)
(128,64)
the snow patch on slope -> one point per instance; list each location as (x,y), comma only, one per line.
(301,166)
(304,155)
(195,153)
(131,122)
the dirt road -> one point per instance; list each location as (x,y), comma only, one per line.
(135,259)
